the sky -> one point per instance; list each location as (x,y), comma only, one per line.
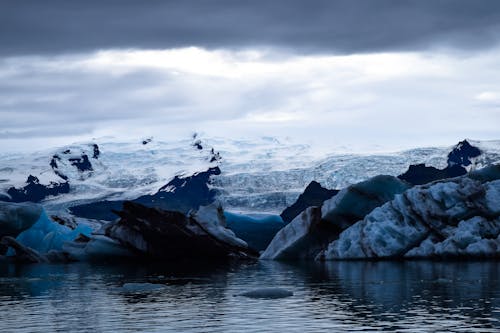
(367,74)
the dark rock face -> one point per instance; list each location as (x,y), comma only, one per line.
(180,194)
(313,195)
(458,158)
(169,235)
(419,174)
(81,163)
(197,145)
(96,152)
(462,154)
(34,191)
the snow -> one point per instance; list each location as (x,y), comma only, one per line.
(263,174)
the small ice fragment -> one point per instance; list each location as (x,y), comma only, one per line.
(133,287)
(269,293)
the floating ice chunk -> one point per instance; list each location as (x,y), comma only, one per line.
(267,293)
(138,287)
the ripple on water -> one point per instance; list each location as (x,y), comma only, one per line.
(358,296)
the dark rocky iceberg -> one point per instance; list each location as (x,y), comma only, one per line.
(171,235)
(180,194)
(313,195)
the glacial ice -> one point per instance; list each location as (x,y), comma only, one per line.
(267,293)
(212,219)
(257,231)
(99,247)
(300,239)
(311,231)
(452,218)
(46,235)
(17,217)
(261,174)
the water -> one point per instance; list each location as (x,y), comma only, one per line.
(333,297)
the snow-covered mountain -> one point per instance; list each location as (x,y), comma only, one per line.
(263,175)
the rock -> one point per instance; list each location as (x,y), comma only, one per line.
(181,194)
(458,217)
(463,154)
(82,163)
(96,151)
(66,221)
(170,235)
(313,195)
(34,191)
(23,253)
(459,161)
(419,174)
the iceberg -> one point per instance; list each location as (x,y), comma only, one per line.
(315,228)
(46,235)
(96,248)
(257,231)
(267,293)
(458,217)
(17,217)
(170,235)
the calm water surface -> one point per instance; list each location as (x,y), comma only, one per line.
(333,297)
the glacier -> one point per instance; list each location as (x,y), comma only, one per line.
(215,194)
(263,175)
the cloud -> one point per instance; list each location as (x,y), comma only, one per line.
(299,26)
(408,99)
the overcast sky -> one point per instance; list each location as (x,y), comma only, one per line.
(368,73)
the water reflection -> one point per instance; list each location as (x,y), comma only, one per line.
(341,296)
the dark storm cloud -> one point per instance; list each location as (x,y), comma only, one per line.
(48,27)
